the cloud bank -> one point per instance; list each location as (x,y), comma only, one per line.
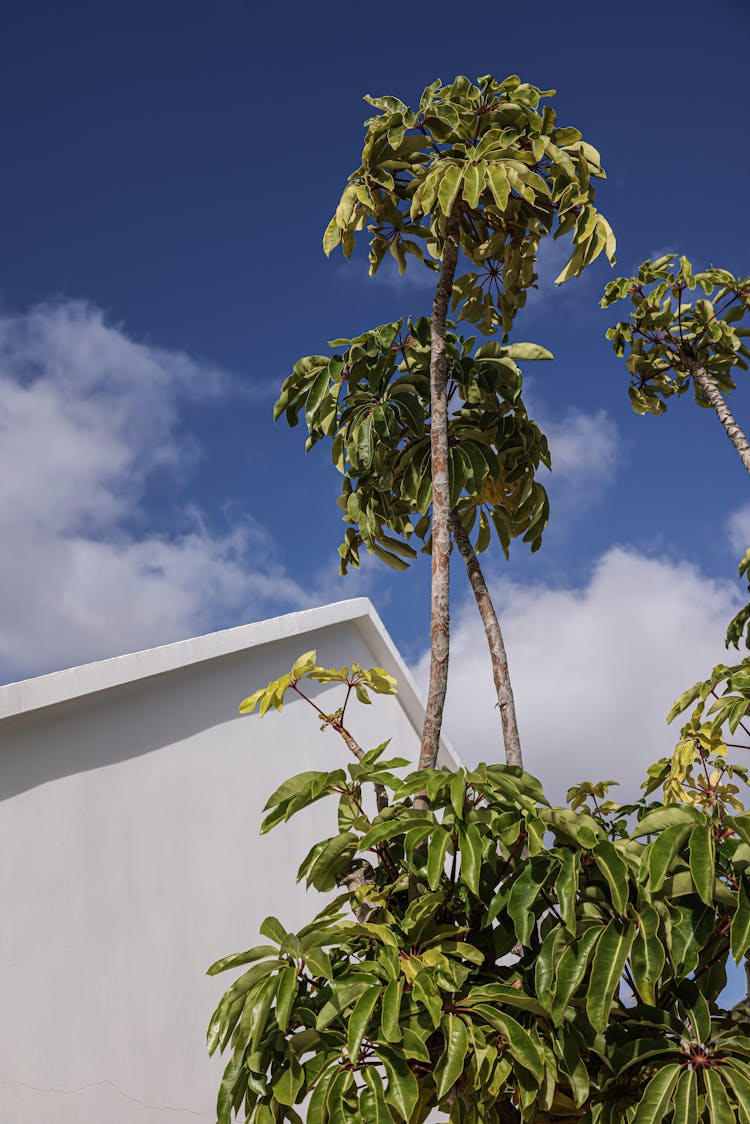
(594,669)
(88,416)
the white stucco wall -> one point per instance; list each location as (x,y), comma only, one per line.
(130,859)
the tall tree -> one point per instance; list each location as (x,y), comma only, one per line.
(480,172)
(675,337)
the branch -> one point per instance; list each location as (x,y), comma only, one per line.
(381,796)
(500,672)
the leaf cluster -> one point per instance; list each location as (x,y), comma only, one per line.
(372,400)
(491,154)
(359,679)
(567,962)
(670,331)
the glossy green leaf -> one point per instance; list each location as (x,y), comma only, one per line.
(402,1091)
(615,872)
(739,933)
(373,1107)
(647,957)
(437,849)
(289,1081)
(521,352)
(520,1043)
(654,1104)
(566,888)
(448,190)
(450,1064)
(470,846)
(717,1101)
(662,851)
(610,957)
(359,1020)
(391,1010)
(286,993)
(702,862)
(685,1099)
(571,969)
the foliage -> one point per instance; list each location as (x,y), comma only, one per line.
(372,399)
(719,708)
(356,678)
(492,154)
(669,333)
(569,961)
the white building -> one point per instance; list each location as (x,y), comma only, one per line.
(130,859)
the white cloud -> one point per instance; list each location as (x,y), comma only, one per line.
(594,670)
(738,530)
(585,450)
(87,415)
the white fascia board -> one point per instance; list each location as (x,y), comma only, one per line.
(73,683)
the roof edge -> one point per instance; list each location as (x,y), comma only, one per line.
(42,691)
(101,675)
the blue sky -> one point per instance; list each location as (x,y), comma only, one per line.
(169,171)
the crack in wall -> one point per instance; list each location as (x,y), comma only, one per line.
(111,1085)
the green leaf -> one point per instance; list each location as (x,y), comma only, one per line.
(458,795)
(303,664)
(497,181)
(647,957)
(520,1043)
(256,1011)
(609,962)
(317,1109)
(571,969)
(403,1091)
(345,991)
(426,993)
(332,237)
(739,932)
(359,1019)
(289,1081)
(527,351)
(740,1085)
(566,888)
(450,1064)
(720,1111)
(662,851)
(372,1103)
(473,184)
(662,818)
(237,959)
(615,872)
(524,892)
(286,993)
(470,844)
(702,862)
(448,189)
(685,1099)
(391,1010)
(436,851)
(655,1101)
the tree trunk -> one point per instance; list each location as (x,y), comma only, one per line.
(716,398)
(441,514)
(500,672)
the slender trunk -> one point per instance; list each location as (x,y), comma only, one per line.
(441,530)
(716,398)
(500,672)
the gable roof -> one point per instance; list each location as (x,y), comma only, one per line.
(73,683)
